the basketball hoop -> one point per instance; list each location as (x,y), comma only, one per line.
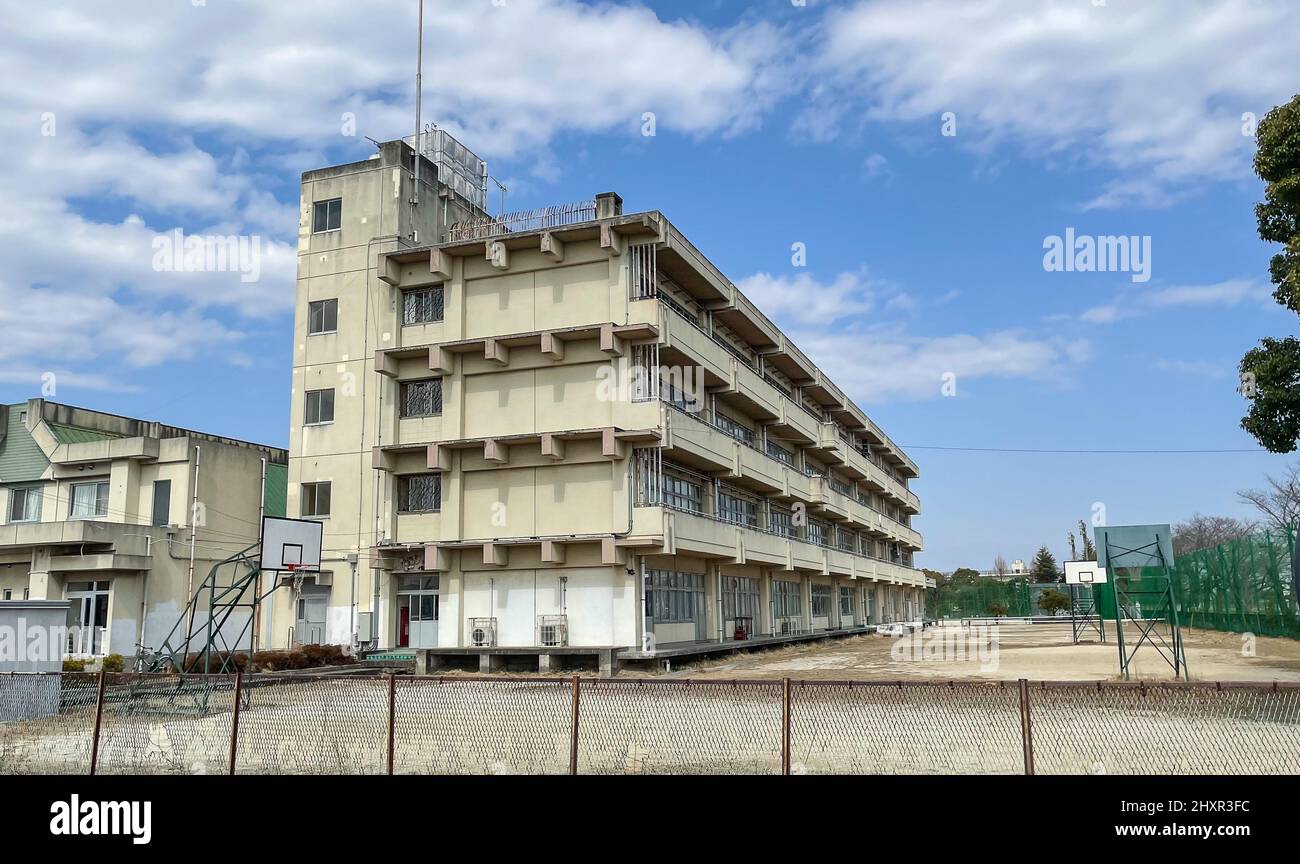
(296,576)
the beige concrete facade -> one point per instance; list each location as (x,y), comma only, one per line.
(101,510)
(579,418)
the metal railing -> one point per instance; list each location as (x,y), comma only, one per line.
(386,724)
(523,220)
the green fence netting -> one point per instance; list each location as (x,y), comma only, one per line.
(1243,586)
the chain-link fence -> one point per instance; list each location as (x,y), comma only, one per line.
(342,724)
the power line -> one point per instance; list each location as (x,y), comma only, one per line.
(1049,450)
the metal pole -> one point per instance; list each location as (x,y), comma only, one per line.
(392,719)
(234,718)
(99,716)
(785,728)
(1026,727)
(573,739)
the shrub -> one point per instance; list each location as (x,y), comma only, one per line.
(71,665)
(114,663)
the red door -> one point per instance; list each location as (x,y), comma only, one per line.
(404,626)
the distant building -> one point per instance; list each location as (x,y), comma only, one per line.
(1017,569)
(99,510)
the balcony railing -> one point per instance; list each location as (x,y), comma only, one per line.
(523,220)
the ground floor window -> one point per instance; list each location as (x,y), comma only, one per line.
(740,598)
(846,605)
(676,597)
(821,601)
(786,602)
(87,616)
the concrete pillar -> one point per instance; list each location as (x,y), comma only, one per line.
(608,665)
(805,591)
(544,663)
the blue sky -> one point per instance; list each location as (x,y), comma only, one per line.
(775,124)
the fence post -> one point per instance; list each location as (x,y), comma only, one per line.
(573,739)
(99,716)
(392,719)
(1026,727)
(234,718)
(785,728)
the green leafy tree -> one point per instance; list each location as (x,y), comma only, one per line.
(1044,567)
(1051,601)
(1270,372)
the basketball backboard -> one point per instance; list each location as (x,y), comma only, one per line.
(1134,546)
(1084,573)
(291,544)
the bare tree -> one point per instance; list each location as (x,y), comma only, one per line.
(1206,532)
(1280,502)
(1000,566)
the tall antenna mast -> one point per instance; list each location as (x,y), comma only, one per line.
(419,70)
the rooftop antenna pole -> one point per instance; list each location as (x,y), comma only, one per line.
(419,69)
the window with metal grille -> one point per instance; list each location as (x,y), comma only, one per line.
(422,305)
(786,601)
(734,428)
(818,532)
(421,398)
(319,406)
(735,506)
(322,316)
(846,604)
(776,451)
(821,600)
(682,494)
(327,215)
(419,493)
(739,597)
(840,486)
(675,597)
(780,521)
(846,540)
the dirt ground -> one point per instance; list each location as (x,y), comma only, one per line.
(1040,652)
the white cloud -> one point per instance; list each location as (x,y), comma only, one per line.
(837,323)
(1231,292)
(1153,90)
(190,116)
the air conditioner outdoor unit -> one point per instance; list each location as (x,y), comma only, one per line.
(553,631)
(483,632)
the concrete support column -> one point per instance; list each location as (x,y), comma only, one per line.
(805,591)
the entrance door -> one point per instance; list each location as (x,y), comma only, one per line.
(313,603)
(404,621)
(424,619)
(87,617)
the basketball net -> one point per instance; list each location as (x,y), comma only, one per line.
(296,577)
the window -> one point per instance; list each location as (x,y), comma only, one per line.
(422,305)
(89,500)
(818,532)
(25,504)
(821,601)
(734,428)
(739,598)
(320,406)
(846,604)
(9,594)
(675,597)
(322,316)
(327,215)
(776,451)
(421,398)
(682,494)
(846,540)
(786,602)
(780,522)
(162,502)
(732,507)
(419,493)
(315,499)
